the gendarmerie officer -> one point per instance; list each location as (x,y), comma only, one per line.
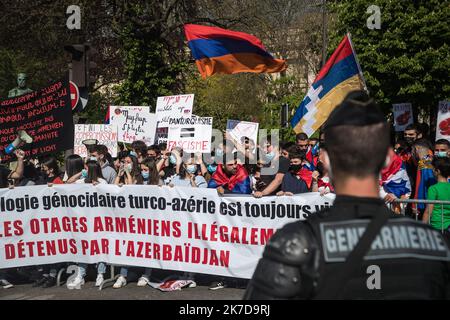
(356,249)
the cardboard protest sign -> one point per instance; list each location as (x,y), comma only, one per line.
(443,121)
(191,134)
(147,226)
(106,134)
(171,107)
(133,123)
(46,115)
(238,129)
(403,116)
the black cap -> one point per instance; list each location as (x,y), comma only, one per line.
(357,109)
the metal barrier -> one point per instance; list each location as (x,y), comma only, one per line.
(442,203)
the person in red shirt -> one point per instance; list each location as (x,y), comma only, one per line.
(52,174)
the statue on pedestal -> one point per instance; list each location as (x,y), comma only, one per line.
(21,86)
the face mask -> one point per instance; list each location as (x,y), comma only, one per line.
(192,168)
(211,168)
(409,141)
(84,173)
(145,174)
(172,159)
(295,167)
(270,156)
(134,154)
(219,153)
(130,167)
(93,159)
(440,154)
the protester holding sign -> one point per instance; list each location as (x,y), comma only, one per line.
(188,176)
(92,173)
(292,183)
(230,177)
(277,166)
(6,174)
(129,172)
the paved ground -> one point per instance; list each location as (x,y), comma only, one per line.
(130,292)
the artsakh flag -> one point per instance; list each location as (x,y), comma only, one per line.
(339,76)
(222,51)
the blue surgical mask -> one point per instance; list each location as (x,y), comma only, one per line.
(172,159)
(93,158)
(134,154)
(211,168)
(440,154)
(192,168)
(219,153)
(270,156)
(145,174)
(84,173)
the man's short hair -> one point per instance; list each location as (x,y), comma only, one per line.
(100,149)
(443,165)
(301,136)
(424,143)
(155,148)
(227,157)
(297,155)
(443,141)
(358,145)
(140,146)
(413,126)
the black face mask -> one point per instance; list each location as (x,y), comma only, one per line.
(295,167)
(409,141)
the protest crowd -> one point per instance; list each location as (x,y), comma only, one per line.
(235,167)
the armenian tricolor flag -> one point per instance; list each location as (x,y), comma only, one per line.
(340,75)
(218,50)
(238,183)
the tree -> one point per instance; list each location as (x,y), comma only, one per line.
(407,60)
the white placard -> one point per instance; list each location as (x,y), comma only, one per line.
(133,123)
(238,129)
(192,135)
(173,106)
(106,134)
(443,121)
(403,116)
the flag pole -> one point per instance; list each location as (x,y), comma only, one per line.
(361,76)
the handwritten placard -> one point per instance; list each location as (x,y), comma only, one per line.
(173,107)
(133,123)
(105,134)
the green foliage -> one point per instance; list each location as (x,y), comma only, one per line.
(148,75)
(408,59)
(237,97)
(280,91)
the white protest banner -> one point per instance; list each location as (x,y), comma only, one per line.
(403,115)
(106,134)
(133,123)
(171,107)
(191,134)
(443,121)
(238,129)
(141,225)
